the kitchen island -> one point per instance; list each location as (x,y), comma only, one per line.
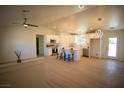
(76,53)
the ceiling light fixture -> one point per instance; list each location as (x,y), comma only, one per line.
(81,6)
(99,19)
(25,25)
(112,28)
(99,32)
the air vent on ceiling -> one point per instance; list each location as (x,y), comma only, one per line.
(73,34)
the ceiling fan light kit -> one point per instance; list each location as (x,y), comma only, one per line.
(25,25)
(99,32)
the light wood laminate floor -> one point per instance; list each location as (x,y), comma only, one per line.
(52,73)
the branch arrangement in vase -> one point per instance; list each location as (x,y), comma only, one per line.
(18,55)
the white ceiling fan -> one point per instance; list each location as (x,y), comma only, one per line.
(25,23)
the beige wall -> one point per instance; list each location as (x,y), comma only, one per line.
(120,44)
(19,38)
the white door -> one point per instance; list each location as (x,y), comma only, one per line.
(112,47)
(95,48)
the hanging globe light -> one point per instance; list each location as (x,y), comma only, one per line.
(99,33)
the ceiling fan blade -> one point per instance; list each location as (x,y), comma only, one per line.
(32,25)
(16,23)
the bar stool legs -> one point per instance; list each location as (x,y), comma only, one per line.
(70,57)
(63,56)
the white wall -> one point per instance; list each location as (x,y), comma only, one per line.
(65,40)
(120,44)
(19,38)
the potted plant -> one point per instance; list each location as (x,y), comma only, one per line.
(18,55)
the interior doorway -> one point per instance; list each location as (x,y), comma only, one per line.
(95,48)
(39,45)
(112,47)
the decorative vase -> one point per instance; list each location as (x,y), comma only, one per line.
(19,61)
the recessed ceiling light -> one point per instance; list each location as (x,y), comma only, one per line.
(81,6)
(112,27)
(25,11)
(99,19)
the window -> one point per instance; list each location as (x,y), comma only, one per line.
(80,40)
(112,47)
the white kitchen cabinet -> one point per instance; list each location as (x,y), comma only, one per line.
(48,51)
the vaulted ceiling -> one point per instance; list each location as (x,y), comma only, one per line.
(66,18)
